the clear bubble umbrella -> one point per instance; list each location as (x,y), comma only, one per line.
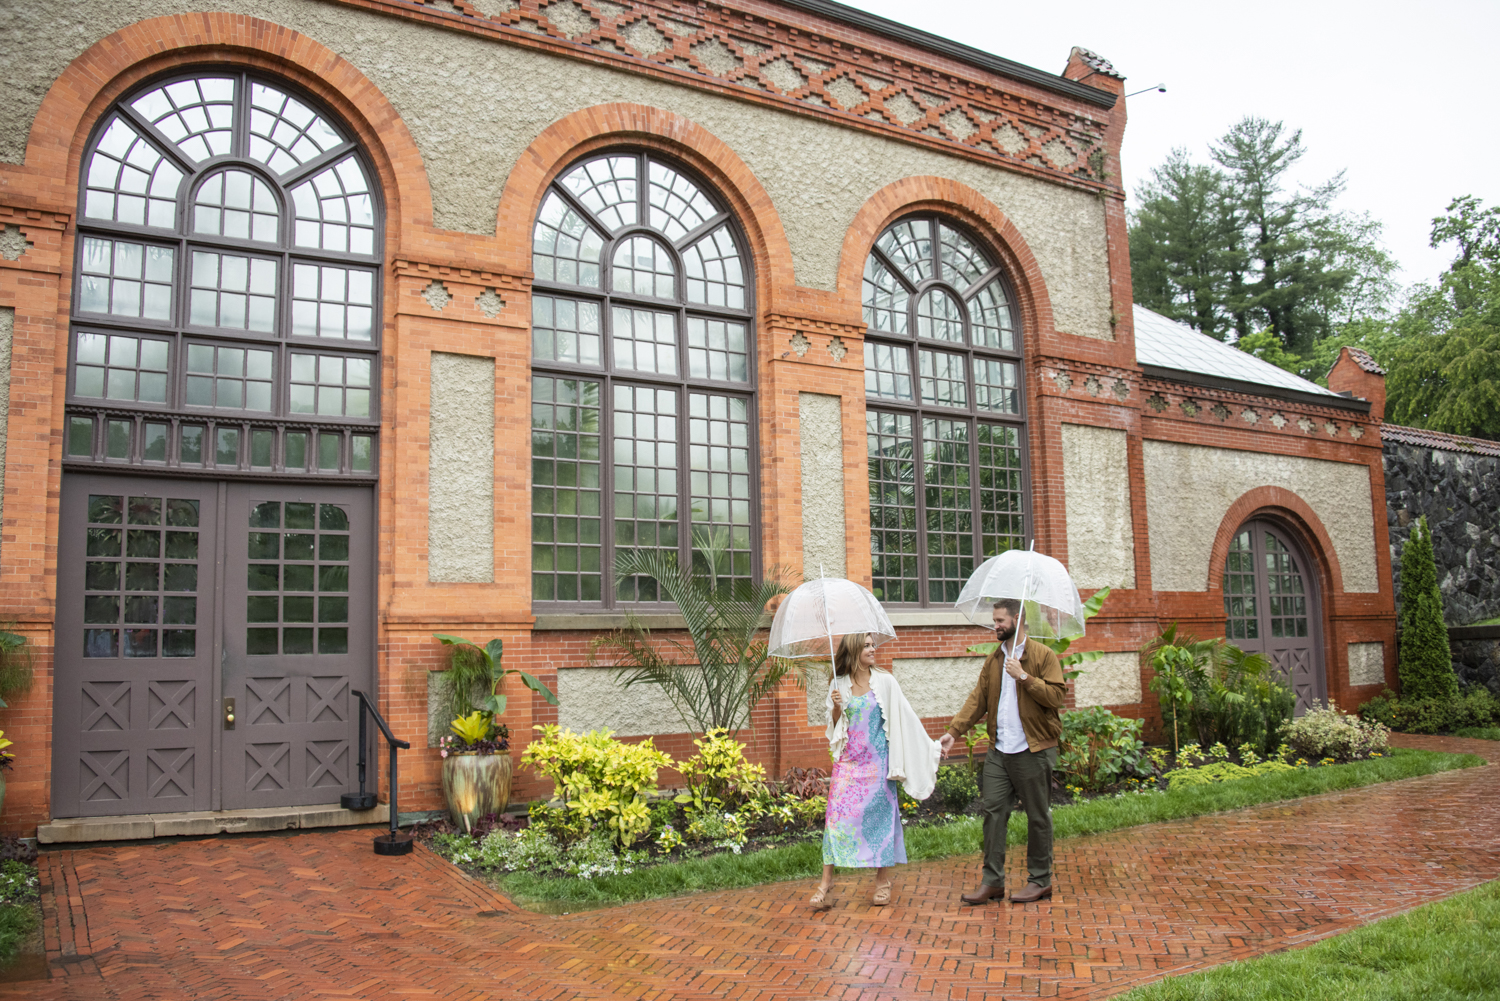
(1044,587)
(809,618)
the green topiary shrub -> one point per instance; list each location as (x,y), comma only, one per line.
(1477,708)
(1423,660)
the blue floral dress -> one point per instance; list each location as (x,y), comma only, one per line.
(862,828)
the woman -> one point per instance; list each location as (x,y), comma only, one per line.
(876,740)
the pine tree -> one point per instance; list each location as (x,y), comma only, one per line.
(1424,661)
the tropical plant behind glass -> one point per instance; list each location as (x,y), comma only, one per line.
(15,664)
(714,683)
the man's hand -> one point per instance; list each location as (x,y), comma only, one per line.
(945,743)
(1013,668)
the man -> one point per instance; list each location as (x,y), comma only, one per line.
(1022,702)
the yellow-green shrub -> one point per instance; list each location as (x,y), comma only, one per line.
(1221,771)
(597,780)
(718,776)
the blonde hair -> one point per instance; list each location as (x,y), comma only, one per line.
(851,648)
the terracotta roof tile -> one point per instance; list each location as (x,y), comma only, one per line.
(1438,439)
(1363,360)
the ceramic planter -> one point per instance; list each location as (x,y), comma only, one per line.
(475,785)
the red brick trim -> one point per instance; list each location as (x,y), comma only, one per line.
(1292,512)
(133,54)
(639,125)
(963,203)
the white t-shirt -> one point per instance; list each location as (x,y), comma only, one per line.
(1010,736)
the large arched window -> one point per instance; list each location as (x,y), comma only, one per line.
(643,371)
(945,417)
(226,308)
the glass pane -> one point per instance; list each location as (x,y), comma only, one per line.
(641,266)
(645,496)
(564,330)
(335,210)
(1001,515)
(718,349)
(296,641)
(885,298)
(644,341)
(565,248)
(719,479)
(940,317)
(949,505)
(284,132)
(714,270)
(893,506)
(565,441)
(943,379)
(81,436)
(887,371)
(677,206)
(908,245)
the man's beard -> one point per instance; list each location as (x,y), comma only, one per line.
(1005,634)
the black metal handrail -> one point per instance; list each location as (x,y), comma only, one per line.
(394,843)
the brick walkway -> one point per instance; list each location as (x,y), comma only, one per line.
(319,916)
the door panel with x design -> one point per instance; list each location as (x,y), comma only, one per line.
(297,627)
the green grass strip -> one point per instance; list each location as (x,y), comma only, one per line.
(16,923)
(1479,732)
(963,836)
(1443,951)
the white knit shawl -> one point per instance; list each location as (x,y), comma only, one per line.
(913,755)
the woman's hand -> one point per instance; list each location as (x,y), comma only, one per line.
(838,699)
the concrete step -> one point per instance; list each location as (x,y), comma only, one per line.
(72,830)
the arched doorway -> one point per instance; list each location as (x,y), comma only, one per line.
(1271,606)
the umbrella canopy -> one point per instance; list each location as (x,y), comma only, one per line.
(810,617)
(1043,585)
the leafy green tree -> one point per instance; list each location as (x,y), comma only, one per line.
(1234,248)
(1183,245)
(1424,660)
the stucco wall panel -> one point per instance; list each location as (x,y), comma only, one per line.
(591,698)
(1189,490)
(1112,680)
(822,500)
(1366,663)
(472,106)
(7,335)
(461,470)
(1096,489)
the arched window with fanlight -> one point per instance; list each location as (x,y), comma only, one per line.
(643,380)
(226,314)
(945,411)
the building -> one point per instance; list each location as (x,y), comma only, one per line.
(334,324)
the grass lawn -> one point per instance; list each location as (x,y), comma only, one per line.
(18,907)
(1479,732)
(963,836)
(1441,952)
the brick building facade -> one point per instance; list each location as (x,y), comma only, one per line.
(372,405)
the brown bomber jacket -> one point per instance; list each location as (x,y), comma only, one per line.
(1038,698)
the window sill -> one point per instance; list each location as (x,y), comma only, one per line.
(930,617)
(598,621)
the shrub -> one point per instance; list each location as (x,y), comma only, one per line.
(724,830)
(718,776)
(1423,659)
(598,781)
(1231,697)
(1221,771)
(1325,732)
(957,786)
(1098,747)
(1477,708)
(531,847)
(805,783)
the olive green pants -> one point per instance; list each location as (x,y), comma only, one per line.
(1029,776)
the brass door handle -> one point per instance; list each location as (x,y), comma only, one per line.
(229,714)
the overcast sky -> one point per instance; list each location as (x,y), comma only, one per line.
(1396,94)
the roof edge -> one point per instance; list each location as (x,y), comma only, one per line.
(1257,389)
(956,50)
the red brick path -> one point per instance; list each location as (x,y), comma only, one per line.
(319,916)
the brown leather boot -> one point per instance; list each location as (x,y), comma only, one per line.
(1030,893)
(984,895)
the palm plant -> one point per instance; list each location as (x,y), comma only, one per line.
(716,681)
(1235,699)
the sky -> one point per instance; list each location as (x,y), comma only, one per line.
(1394,94)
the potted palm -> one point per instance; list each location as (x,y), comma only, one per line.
(476,753)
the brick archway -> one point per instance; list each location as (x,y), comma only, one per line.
(639,125)
(114,65)
(963,203)
(1290,511)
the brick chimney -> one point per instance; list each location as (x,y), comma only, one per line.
(1357,373)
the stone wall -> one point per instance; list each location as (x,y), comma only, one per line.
(1460,496)
(1477,662)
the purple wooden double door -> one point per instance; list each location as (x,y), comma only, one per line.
(1271,606)
(179,599)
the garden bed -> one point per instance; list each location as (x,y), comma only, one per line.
(773,852)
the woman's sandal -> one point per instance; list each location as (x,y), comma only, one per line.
(822,898)
(882,895)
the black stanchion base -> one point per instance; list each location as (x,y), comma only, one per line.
(394,844)
(357,801)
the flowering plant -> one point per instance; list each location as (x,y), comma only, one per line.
(476,733)
(7,760)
